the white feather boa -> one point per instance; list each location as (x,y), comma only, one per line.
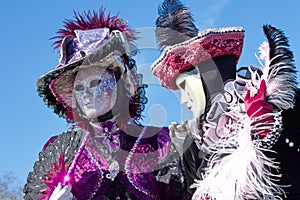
(238,169)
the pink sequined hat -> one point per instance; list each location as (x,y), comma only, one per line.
(183,47)
(90,39)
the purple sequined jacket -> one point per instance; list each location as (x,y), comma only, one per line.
(90,179)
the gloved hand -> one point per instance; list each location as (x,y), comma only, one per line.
(256,103)
(178,133)
(62,193)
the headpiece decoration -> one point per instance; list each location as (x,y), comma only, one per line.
(278,69)
(174,24)
(92,39)
(186,50)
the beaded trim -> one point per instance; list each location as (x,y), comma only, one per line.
(273,136)
(201,35)
(127,164)
(209,44)
(101,173)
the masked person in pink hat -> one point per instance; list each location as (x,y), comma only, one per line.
(238,115)
(107,154)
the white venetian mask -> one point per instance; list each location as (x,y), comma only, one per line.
(192,93)
(95,91)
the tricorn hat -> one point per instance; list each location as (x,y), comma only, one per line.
(184,48)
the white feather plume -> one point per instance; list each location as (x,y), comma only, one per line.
(264,55)
(279,70)
(238,169)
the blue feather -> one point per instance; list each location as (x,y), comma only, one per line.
(170,6)
(174,23)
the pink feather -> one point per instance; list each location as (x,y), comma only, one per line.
(56,175)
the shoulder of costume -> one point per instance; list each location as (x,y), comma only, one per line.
(148,131)
(155,130)
(157,137)
(160,133)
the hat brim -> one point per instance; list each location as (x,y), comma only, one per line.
(113,47)
(208,44)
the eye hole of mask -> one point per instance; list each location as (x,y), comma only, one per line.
(79,87)
(95,82)
(182,85)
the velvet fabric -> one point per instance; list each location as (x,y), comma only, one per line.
(288,155)
(136,179)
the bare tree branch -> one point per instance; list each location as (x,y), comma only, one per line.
(10,188)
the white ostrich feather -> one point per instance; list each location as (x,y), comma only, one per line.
(279,70)
(238,169)
(264,55)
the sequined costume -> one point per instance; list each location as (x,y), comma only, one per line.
(109,156)
(91,174)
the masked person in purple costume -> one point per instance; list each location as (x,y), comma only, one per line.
(107,154)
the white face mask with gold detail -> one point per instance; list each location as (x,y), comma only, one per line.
(192,93)
(95,91)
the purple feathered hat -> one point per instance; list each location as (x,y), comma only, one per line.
(89,39)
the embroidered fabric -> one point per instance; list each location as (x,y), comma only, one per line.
(274,130)
(244,156)
(183,56)
(225,139)
(87,41)
(136,182)
(236,156)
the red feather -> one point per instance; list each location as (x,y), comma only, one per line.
(92,20)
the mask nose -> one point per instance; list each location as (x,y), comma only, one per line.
(184,97)
(87,92)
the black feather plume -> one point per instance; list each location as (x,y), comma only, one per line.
(174,24)
(282,74)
